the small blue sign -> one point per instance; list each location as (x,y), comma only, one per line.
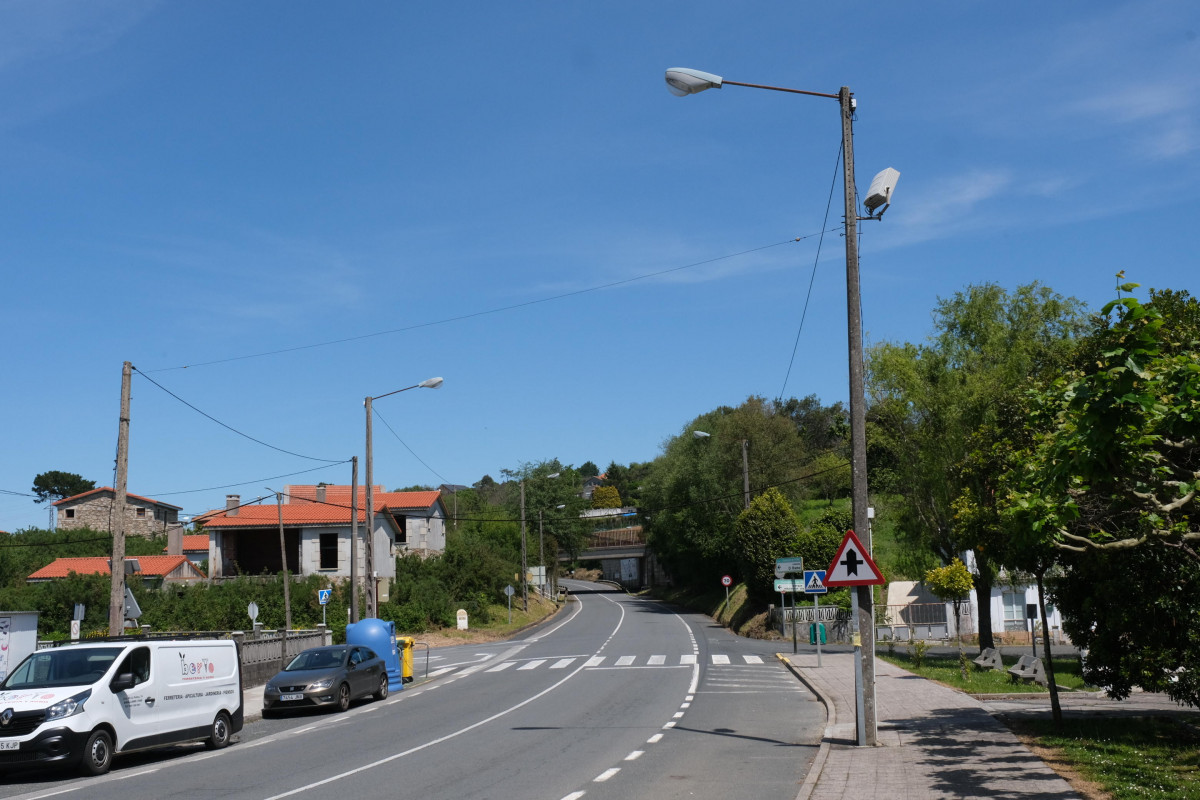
(814,582)
(323,595)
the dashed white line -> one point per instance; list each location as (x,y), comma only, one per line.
(608,773)
(655,739)
(635,755)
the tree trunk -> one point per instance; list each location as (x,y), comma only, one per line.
(1055,708)
(983,598)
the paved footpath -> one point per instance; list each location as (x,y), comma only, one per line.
(934,742)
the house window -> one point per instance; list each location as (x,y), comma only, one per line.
(1014,611)
(401,529)
(140,513)
(70,513)
(329,551)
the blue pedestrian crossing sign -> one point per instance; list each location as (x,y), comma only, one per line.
(323,595)
(814,581)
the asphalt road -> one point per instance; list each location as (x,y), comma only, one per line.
(616,697)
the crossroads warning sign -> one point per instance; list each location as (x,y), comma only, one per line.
(852,566)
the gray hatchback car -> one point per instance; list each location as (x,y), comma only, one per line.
(327,676)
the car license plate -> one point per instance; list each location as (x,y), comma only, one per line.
(287,698)
(10,745)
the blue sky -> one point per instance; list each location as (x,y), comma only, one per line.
(510,198)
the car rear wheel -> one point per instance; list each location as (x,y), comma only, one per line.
(343,701)
(383,687)
(218,737)
(97,753)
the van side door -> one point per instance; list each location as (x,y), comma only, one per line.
(139,709)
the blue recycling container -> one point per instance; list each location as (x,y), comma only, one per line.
(380,636)
(812,632)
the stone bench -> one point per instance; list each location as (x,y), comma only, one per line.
(1028,669)
(989,659)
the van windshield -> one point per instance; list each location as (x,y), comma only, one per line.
(62,667)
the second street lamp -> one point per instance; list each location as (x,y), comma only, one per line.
(683,82)
(745,465)
(372,600)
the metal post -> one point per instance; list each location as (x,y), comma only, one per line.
(116,597)
(795,616)
(746,471)
(864,670)
(542,551)
(817,622)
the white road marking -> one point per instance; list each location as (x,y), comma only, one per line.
(625,661)
(562,663)
(501,667)
(687,660)
(608,773)
(635,755)
(574,796)
(716,659)
(594,661)
(753,659)
(532,665)
(657,660)
(655,739)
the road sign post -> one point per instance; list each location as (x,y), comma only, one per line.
(814,584)
(510,591)
(852,566)
(323,596)
(726,581)
(783,568)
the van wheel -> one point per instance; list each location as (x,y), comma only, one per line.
(218,737)
(383,688)
(97,753)
(343,701)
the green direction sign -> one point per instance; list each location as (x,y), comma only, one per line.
(784,566)
(789,585)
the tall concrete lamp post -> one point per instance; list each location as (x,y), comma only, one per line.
(682,82)
(372,604)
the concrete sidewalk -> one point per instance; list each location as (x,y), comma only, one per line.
(934,742)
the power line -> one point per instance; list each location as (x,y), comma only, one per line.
(487,312)
(406,447)
(246,483)
(235,430)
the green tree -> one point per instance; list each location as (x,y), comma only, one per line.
(764,532)
(830,476)
(606,497)
(947,409)
(951,582)
(55,485)
(588,470)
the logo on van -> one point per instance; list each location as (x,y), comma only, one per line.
(6,717)
(196,670)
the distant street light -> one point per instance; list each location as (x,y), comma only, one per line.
(682,82)
(745,464)
(372,600)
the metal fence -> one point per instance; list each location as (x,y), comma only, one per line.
(262,650)
(922,621)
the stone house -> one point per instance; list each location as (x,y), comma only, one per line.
(94,509)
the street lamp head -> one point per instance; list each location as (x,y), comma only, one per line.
(553,475)
(431,383)
(880,193)
(682,81)
(700,435)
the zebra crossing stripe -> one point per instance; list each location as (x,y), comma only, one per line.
(687,660)
(720,659)
(502,667)
(531,665)
(625,661)
(594,661)
(752,659)
(716,659)
(562,663)
(656,661)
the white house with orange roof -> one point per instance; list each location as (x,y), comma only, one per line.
(317,531)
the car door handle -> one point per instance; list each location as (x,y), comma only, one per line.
(150,702)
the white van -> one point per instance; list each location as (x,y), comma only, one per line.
(84,702)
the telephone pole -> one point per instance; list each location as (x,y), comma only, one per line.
(116,597)
(354,539)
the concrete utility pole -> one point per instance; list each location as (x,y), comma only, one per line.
(287,592)
(524,562)
(354,539)
(746,470)
(864,650)
(116,597)
(370,518)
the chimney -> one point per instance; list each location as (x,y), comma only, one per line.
(320,493)
(232,501)
(175,540)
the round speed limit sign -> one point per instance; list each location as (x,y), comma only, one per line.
(726,580)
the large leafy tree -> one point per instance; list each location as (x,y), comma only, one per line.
(55,485)
(946,409)
(693,492)
(1106,487)
(766,531)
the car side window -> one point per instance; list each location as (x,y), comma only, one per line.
(356,657)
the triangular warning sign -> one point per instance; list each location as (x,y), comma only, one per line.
(814,584)
(852,566)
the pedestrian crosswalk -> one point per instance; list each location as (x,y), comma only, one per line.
(614,661)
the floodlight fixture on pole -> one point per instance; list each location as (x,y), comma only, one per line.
(682,82)
(372,609)
(745,465)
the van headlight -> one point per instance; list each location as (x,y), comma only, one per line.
(68,707)
(322,684)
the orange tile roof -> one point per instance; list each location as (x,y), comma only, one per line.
(293,515)
(193,542)
(128,497)
(341,496)
(92,565)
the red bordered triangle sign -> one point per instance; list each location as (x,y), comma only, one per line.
(852,566)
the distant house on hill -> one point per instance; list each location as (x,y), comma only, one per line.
(151,569)
(94,510)
(317,532)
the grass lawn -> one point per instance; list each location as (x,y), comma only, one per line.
(945,669)
(1146,758)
